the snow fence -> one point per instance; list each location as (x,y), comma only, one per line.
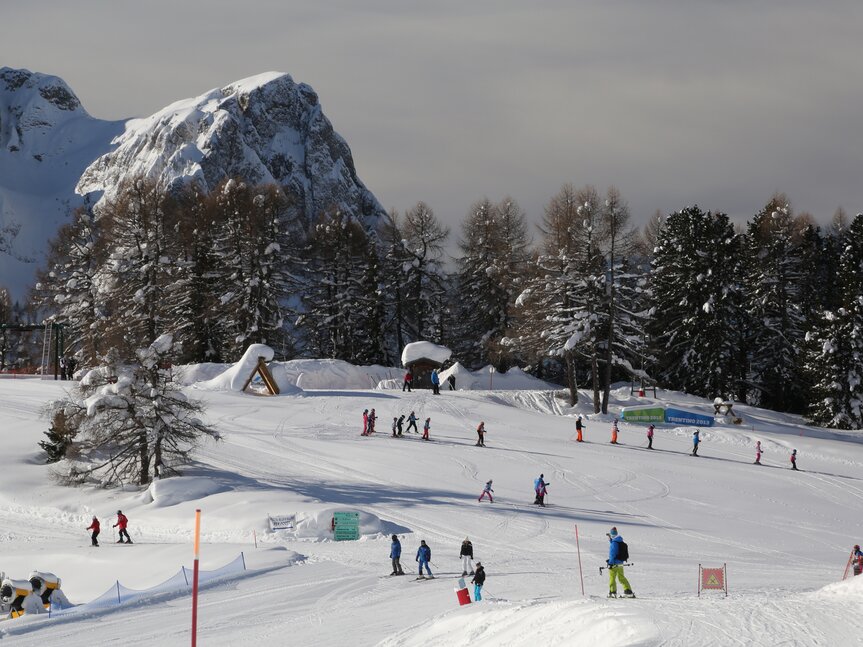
(181,582)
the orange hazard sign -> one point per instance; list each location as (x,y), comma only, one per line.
(712,579)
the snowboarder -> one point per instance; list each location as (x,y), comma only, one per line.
(477,581)
(412,422)
(578,428)
(395,556)
(409,378)
(451,381)
(94,536)
(426,428)
(435,380)
(480,431)
(539,486)
(395,426)
(400,423)
(372,417)
(424,557)
(617,556)
(758,453)
(695,440)
(122,521)
(365,423)
(487,491)
(614,432)
(650,437)
(466,554)
(794,459)
(857,560)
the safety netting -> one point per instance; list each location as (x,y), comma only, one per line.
(179,583)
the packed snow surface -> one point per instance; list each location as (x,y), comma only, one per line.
(784,535)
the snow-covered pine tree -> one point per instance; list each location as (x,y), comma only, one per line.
(696,325)
(129,423)
(774,271)
(423,242)
(835,347)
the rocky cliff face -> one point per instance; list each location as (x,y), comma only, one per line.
(266,129)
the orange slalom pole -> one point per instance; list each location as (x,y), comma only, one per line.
(578,548)
(195,578)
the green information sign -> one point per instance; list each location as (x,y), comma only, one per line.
(346,526)
(644,414)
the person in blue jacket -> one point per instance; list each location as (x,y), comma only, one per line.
(695,440)
(435,380)
(424,557)
(395,555)
(615,566)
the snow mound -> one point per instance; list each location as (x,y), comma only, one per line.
(852,587)
(235,377)
(425,349)
(484,378)
(179,489)
(318,525)
(335,374)
(570,623)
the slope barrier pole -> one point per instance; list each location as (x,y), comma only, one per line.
(578,548)
(195,578)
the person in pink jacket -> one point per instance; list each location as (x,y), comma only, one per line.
(758,453)
(650,437)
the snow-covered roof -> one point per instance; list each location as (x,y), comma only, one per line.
(425,350)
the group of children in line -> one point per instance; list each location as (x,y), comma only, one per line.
(423,559)
(696,440)
(369,418)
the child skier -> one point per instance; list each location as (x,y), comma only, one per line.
(477,581)
(372,417)
(650,437)
(486,491)
(365,423)
(400,423)
(695,440)
(395,556)
(395,425)
(794,459)
(758,453)
(412,422)
(407,383)
(122,522)
(578,428)
(94,526)
(615,562)
(426,428)
(466,554)
(614,432)
(480,431)
(856,560)
(424,557)
(539,486)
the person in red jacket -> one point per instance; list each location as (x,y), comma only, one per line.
(94,526)
(122,521)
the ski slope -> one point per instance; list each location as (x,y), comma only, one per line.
(784,535)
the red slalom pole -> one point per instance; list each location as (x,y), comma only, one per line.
(578,547)
(195,578)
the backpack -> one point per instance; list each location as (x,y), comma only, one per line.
(622,551)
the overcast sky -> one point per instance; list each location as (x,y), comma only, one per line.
(675,102)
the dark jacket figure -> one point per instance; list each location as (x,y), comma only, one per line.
(424,557)
(466,554)
(794,459)
(372,418)
(480,431)
(400,423)
(579,428)
(409,378)
(94,536)
(395,426)
(412,422)
(395,556)
(451,380)
(650,437)
(122,522)
(478,580)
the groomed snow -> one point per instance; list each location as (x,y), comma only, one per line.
(784,535)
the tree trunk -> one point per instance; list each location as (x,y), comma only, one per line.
(144,453)
(594,373)
(570,378)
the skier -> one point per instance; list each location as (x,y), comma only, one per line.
(539,486)
(578,428)
(94,536)
(372,417)
(395,425)
(426,428)
(400,423)
(412,422)
(480,431)
(615,561)
(477,581)
(614,432)
(365,423)
(794,459)
(487,491)
(435,380)
(857,560)
(408,379)
(758,453)
(424,557)
(451,380)
(466,554)
(650,437)
(395,555)
(695,440)
(122,521)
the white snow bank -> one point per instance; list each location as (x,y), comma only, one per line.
(569,623)
(425,349)
(179,489)
(234,378)
(484,378)
(335,374)
(852,587)
(317,525)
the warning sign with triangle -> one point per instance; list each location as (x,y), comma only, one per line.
(712,579)
(266,380)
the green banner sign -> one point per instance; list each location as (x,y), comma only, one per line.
(644,414)
(346,526)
